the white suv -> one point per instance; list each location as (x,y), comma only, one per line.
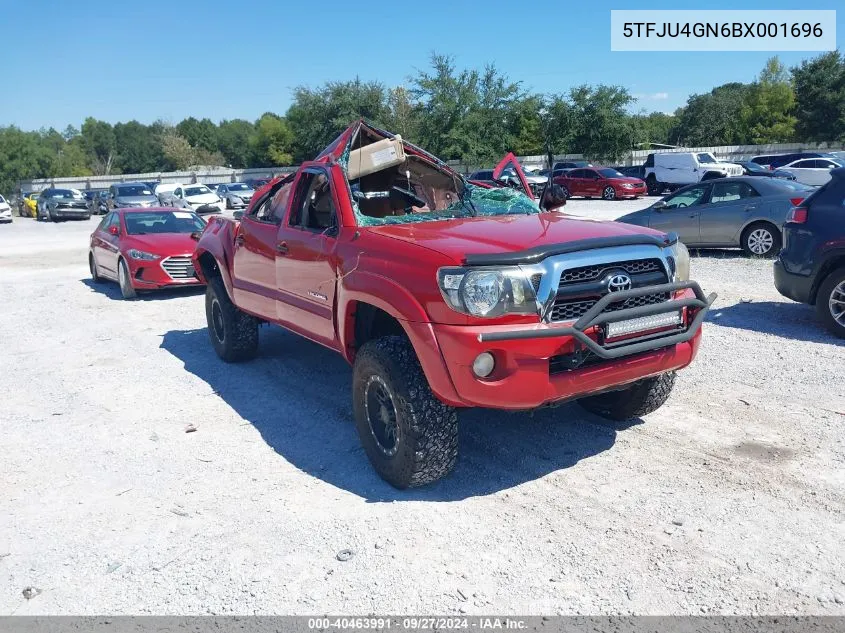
(676,169)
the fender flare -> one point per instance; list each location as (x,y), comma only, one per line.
(371,288)
(222,266)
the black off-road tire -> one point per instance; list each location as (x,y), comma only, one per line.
(126,289)
(834,280)
(233,333)
(425,437)
(92,266)
(641,398)
(756,229)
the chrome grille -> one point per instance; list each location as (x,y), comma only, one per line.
(581,288)
(590,273)
(567,311)
(178,267)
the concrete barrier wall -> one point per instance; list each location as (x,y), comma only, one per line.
(210,175)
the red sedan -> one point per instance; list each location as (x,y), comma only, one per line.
(145,249)
(600,182)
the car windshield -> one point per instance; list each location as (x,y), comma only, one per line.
(197,191)
(607,172)
(706,157)
(134,190)
(238,186)
(755,167)
(66,194)
(162,222)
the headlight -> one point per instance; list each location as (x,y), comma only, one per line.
(136,254)
(487,292)
(627,185)
(678,257)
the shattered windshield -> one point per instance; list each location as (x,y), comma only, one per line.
(419,189)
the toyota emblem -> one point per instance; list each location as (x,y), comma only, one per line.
(618,281)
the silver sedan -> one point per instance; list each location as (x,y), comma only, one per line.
(236,194)
(742,211)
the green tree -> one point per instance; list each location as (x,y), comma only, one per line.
(715,118)
(820,98)
(769,105)
(601,129)
(655,127)
(98,142)
(22,156)
(139,148)
(233,141)
(201,134)
(319,115)
(272,142)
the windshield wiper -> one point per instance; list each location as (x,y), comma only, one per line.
(466,200)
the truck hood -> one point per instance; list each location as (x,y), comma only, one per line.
(503,234)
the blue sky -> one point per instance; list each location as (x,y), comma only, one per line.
(63,61)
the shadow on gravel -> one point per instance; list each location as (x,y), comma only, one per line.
(719,253)
(111,290)
(788,320)
(297,395)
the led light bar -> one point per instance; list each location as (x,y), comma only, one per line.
(642,324)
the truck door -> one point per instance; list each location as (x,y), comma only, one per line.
(254,278)
(306,261)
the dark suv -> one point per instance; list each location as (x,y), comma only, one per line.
(811,266)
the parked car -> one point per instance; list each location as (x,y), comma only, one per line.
(773,161)
(62,204)
(145,249)
(676,169)
(197,197)
(127,195)
(29,203)
(256,183)
(811,266)
(444,294)
(633,171)
(164,192)
(753,169)
(236,195)
(600,182)
(812,171)
(571,164)
(5,211)
(743,212)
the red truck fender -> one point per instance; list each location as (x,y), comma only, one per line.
(359,286)
(216,242)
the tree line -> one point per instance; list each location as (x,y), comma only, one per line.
(474,115)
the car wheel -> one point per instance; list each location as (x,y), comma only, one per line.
(410,437)
(565,192)
(654,188)
(126,289)
(92,266)
(642,398)
(233,333)
(228,203)
(609,193)
(830,302)
(761,240)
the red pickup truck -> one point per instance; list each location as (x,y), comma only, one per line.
(445,294)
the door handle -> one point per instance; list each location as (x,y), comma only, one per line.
(751,207)
(282,248)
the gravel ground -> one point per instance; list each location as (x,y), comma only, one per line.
(727,500)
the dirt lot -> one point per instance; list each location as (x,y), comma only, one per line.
(730,499)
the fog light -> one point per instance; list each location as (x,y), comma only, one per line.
(483,364)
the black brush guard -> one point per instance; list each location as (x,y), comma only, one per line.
(596,316)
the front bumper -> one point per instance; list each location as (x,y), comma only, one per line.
(69,214)
(622,192)
(211,207)
(537,365)
(150,275)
